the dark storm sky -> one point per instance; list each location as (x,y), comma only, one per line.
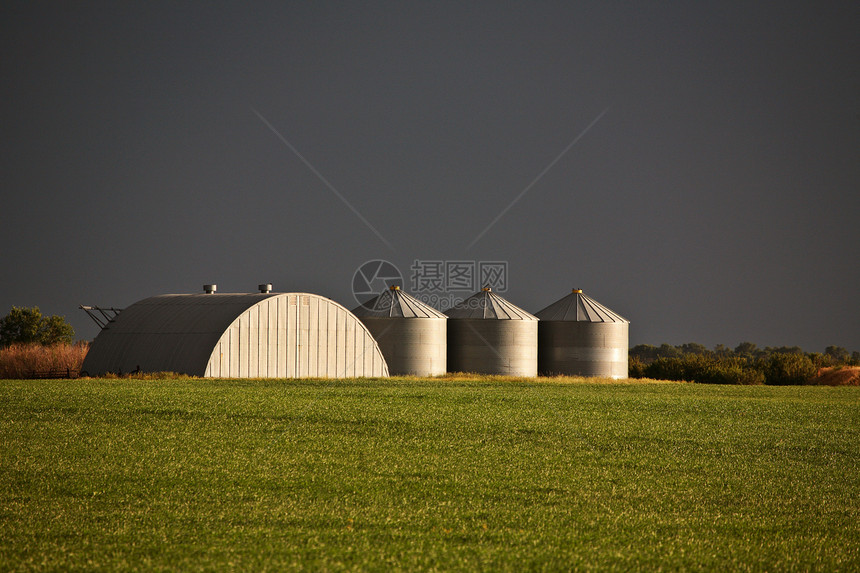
(146,150)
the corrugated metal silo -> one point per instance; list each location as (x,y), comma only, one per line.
(259,335)
(411,335)
(489,335)
(578,336)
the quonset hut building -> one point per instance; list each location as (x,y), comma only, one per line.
(256,335)
(411,335)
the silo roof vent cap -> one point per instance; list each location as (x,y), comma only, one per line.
(394,287)
(210,289)
(576,290)
(266,287)
(487,289)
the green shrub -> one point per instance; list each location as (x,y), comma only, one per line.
(687,368)
(635,367)
(783,369)
(734,371)
(705,370)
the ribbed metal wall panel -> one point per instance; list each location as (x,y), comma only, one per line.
(299,336)
(492,346)
(411,346)
(573,348)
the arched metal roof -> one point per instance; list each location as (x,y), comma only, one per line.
(580,308)
(237,335)
(489,305)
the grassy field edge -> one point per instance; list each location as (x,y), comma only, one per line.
(454,473)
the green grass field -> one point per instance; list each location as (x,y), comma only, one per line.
(447,474)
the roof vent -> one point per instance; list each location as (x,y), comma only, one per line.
(576,290)
(209,289)
(487,289)
(394,287)
(267,287)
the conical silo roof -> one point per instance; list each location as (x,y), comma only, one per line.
(394,303)
(577,307)
(489,305)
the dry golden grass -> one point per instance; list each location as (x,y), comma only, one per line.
(23,360)
(838,376)
(147,376)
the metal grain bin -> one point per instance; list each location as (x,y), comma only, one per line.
(578,336)
(489,335)
(411,335)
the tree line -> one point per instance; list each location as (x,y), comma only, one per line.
(745,364)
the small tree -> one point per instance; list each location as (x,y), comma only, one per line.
(644,353)
(747,349)
(820,360)
(837,353)
(722,350)
(28,326)
(693,348)
(668,351)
